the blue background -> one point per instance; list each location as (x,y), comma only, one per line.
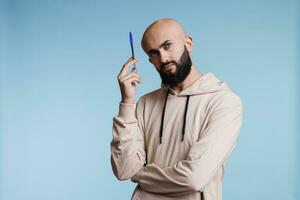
(59,62)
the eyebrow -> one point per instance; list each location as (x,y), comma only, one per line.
(161,45)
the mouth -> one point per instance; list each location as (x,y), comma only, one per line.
(168,66)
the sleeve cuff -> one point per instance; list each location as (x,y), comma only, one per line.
(137,177)
(127,111)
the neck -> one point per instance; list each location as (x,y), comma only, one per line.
(190,79)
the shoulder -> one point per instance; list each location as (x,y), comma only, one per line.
(230,98)
(226,101)
(152,96)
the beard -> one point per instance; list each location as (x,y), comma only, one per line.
(183,68)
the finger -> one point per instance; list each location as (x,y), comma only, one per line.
(125,82)
(134,83)
(125,67)
(134,69)
(127,76)
(132,80)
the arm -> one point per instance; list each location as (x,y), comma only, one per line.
(205,157)
(127,146)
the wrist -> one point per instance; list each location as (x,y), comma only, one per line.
(128,101)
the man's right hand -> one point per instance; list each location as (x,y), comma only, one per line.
(128,81)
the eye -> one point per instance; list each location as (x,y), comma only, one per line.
(153,54)
(167,45)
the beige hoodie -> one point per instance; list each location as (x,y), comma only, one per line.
(175,145)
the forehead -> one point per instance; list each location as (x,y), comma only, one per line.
(157,34)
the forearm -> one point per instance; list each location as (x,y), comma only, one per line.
(153,179)
(185,177)
(127,151)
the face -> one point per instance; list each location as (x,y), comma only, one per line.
(182,69)
(169,50)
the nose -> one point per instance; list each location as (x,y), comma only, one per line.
(164,56)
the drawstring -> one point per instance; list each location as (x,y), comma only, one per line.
(202,195)
(163,117)
(185,112)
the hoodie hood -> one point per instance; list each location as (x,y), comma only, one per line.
(207,83)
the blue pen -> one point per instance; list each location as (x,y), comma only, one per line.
(132,51)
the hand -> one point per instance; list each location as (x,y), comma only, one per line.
(128,81)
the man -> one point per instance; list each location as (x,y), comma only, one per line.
(175,141)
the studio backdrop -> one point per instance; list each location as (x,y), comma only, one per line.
(59,62)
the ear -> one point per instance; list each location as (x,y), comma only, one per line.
(189,42)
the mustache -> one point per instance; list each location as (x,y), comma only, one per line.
(166,63)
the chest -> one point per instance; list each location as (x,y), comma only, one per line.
(173,124)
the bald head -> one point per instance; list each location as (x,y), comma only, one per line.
(160,30)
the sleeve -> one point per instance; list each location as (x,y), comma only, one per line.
(127,145)
(205,157)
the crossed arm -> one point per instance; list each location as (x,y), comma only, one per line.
(204,158)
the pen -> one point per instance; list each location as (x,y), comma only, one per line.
(132,51)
